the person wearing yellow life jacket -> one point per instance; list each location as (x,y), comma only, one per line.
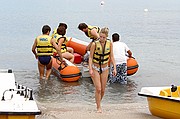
(61,40)
(100,53)
(63,47)
(101,56)
(55,30)
(43,50)
(90,31)
(69,49)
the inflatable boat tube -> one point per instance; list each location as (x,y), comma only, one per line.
(132,66)
(69,72)
(78,45)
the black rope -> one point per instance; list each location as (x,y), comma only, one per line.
(60,64)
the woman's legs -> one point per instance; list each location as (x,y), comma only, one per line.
(68,56)
(100,81)
(97,84)
(103,79)
(71,50)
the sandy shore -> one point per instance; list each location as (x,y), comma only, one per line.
(110,111)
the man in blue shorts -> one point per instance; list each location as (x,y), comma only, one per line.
(43,50)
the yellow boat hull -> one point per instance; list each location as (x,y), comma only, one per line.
(164,108)
(163,102)
(17,116)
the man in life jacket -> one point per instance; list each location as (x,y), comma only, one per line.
(69,49)
(90,31)
(43,50)
(93,33)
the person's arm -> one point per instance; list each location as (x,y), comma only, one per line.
(34,48)
(60,42)
(58,49)
(91,58)
(89,46)
(94,33)
(112,59)
(129,53)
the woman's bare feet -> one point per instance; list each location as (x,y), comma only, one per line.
(99,110)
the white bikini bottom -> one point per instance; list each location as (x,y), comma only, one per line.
(98,68)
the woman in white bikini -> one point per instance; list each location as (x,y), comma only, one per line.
(100,54)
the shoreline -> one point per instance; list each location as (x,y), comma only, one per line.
(81,111)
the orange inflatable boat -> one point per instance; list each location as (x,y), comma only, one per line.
(80,50)
(68,72)
(78,45)
(73,72)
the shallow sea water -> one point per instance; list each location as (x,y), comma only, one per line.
(152,36)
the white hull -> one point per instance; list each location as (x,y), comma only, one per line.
(84,70)
(15,99)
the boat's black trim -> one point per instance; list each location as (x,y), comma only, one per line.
(10,71)
(132,67)
(71,75)
(159,97)
(20,113)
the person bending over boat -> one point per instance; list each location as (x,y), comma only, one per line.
(44,45)
(121,49)
(69,49)
(61,40)
(101,52)
(93,33)
(90,31)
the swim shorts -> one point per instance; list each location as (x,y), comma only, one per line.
(121,75)
(44,59)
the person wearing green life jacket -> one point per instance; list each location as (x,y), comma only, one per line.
(43,50)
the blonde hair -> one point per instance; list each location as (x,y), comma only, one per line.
(105,31)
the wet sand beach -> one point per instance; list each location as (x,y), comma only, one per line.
(153,37)
(110,111)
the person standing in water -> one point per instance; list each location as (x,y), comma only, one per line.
(121,49)
(101,52)
(44,45)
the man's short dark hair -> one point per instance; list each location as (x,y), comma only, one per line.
(115,37)
(82,26)
(63,24)
(61,30)
(45,29)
